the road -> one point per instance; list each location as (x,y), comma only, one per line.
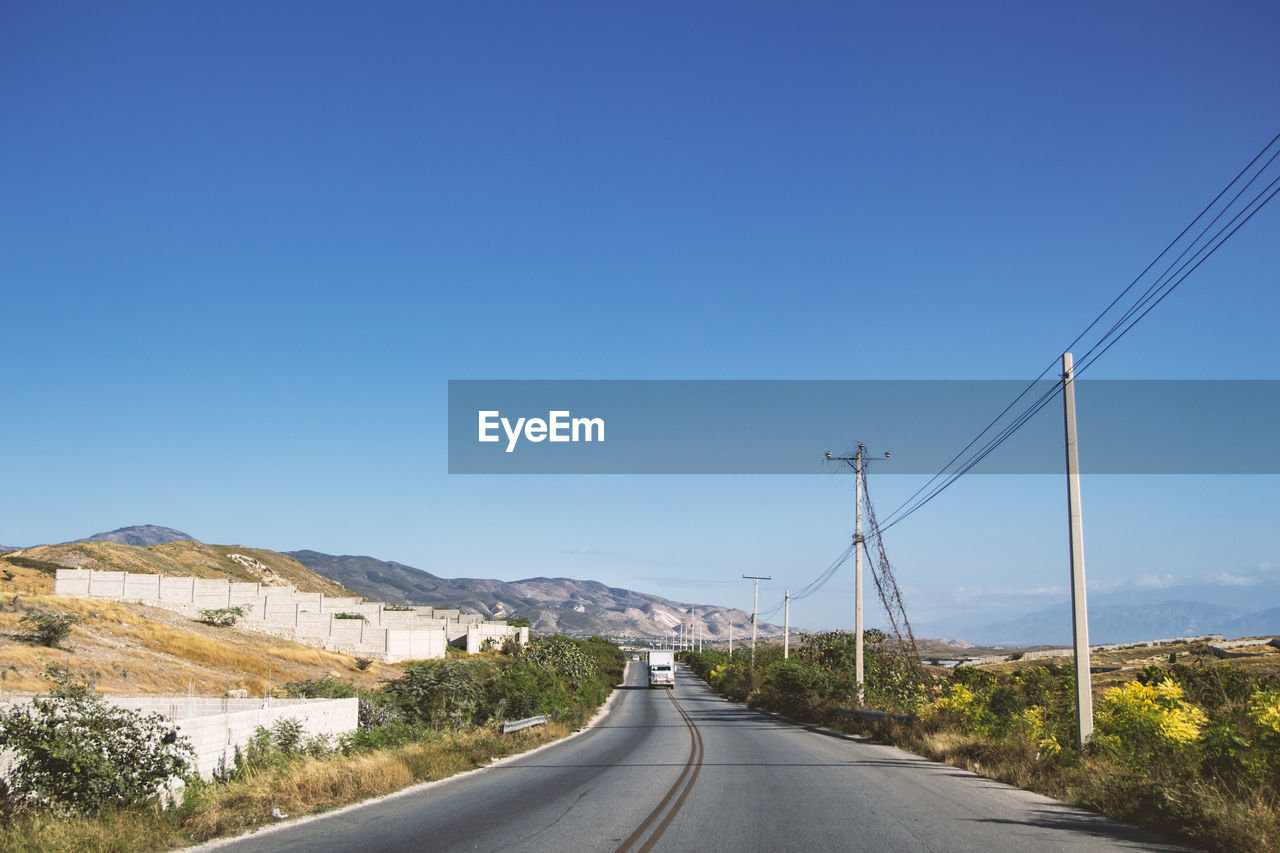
(686,770)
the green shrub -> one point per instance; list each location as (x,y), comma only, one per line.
(521,690)
(562,656)
(77,754)
(48,628)
(441,694)
(798,688)
(703,662)
(224,617)
(350,616)
(611,663)
(386,736)
(557,676)
(376,709)
(327,687)
(44,566)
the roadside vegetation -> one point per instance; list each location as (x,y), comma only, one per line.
(432,720)
(1190,750)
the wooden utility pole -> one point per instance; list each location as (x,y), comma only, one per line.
(755,607)
(1079,610)
(786,624)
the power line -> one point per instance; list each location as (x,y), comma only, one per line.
(1154,294)
(893,517)
(1173,276)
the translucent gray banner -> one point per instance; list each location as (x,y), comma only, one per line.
(785,426)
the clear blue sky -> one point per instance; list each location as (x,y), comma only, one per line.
(243,248)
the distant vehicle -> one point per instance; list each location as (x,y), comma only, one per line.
(662,668)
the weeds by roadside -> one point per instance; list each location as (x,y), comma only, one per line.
(440,718)
(1191,751)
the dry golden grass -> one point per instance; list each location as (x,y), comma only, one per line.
(1201,811)
(175,559)
(129,648)
(124,832)
(315,785)
(304,787)
(17,579)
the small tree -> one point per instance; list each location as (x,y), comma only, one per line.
(49,628)
(75,753)
(224,617)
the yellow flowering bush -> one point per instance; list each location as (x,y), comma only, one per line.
(959,701)
(1139,717)
(1264,710)
(1032,722)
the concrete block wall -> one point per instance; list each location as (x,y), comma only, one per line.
(106,584)
(216,727)
(415,645)
(478,633)
(391,635)
(171,589)
(142,587)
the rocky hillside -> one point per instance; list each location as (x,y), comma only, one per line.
(141,535)
(563,605)
(185,558)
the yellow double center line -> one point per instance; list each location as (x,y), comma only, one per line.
(680,790)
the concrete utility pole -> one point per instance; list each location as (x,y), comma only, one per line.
(1079,610)
(786,624)
(731,640)
(755,607)
(858,545)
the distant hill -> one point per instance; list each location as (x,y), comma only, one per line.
(563,605)
(185,558)
(141,535)
(1114,622)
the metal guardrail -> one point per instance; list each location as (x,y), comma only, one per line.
(527,722)
(874,716)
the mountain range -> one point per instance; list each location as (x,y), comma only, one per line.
(1113,619)
(584,607)
(563,605)
(552,605)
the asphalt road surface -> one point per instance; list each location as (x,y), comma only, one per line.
(686,770)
